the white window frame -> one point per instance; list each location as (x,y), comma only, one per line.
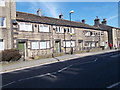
(35,45)
(44,44)
(2,3)
(93,44)
(44,28)
(3,21)
(59,30)
(23,26)
(93,34)
(87,33)
(1,44)
(68,44)
(102,43)
(73,43)
(87,44)
(73,30)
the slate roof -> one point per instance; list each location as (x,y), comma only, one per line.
(107,27)
(22,16)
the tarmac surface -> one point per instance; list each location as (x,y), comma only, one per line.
(90,70)
(34,63)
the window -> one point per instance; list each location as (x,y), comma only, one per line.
(102,33)
(25,26)
(62,30)
(87,33)
(1,44)
(54,27)
(69,43)
(102,44)
(44,28)
(44,44)
(68,30)
(2,22)
(59,30)
(73,31)
(2,2)
(93,44)
(87,44)
(73,43)
(93,34)
(35,45)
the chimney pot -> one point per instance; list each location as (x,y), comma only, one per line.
(104,22)
(83,21)
(39,12)
(97,21)
(61,16)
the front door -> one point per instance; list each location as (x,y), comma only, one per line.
(22,48)
(80,46)
(57,45)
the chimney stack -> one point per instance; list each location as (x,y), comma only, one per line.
(97,21)
(104,22)
(83,21)
(39,12)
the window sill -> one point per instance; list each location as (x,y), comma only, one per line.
(2,26)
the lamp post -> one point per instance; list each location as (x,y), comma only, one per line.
(71,32)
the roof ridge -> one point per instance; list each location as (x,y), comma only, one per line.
(55,21)
(55,18)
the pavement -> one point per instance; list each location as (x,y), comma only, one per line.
(34,63)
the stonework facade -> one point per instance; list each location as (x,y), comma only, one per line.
(36,35)
(8,13)
(43,38)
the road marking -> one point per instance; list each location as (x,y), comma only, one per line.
(51,75)
(64,68)
(7,84)
(33,77)
(40,64)
(96,59)
(113,85)
(72,65)
(115,55)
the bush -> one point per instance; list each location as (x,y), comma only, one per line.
(10,55)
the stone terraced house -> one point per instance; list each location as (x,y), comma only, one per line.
(40,35)
(36,35)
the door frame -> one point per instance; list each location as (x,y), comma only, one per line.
(25,45)
(58,41)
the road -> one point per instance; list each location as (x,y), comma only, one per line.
(96,71)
